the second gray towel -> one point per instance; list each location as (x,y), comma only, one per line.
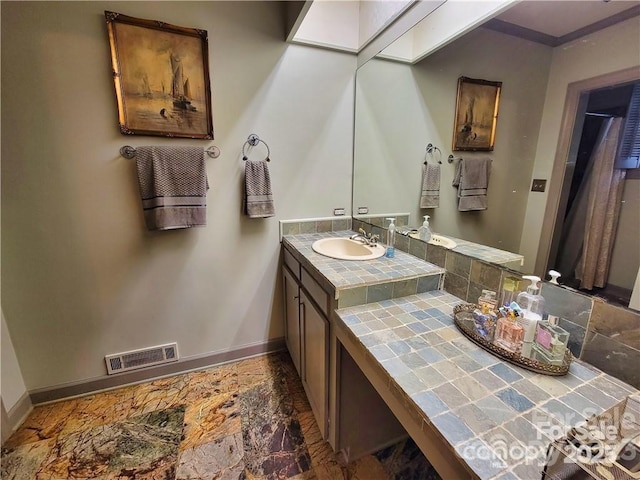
(258,199)
(472,180)
(430,195)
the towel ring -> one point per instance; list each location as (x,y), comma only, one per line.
(252,141)
(431,148)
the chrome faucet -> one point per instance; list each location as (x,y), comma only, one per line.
(366,238)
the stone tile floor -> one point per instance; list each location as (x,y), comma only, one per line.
(245,420)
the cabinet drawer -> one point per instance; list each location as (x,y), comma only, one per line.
(316,292)
(292,263)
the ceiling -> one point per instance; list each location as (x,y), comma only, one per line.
(348,25)
(554,22)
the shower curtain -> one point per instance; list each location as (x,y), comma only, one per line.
(591,224)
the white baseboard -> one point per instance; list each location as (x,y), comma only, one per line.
(12,419)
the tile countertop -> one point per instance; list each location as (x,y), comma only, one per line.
(485,253)
(349,273)
(497,417)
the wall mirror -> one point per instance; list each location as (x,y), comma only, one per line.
(406,102)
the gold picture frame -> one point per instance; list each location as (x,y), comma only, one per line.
(161,77)
(476,114)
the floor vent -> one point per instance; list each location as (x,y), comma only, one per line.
(121,362)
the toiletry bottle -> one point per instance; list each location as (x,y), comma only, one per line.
(487,301)
(510,290)
(391,239)
(509,332)
(554,277)
(532,305)
(424,232)
(551,341)
(485,318)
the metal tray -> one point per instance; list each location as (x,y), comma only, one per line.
(463,318)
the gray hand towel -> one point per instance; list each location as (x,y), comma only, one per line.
(430,195)
(173,186)
(258,199)
(472,179)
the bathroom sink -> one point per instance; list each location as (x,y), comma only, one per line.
(442,241)
(439,240)
(346,249)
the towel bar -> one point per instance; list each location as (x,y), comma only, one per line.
(252,141)
(129,152)
(451,158)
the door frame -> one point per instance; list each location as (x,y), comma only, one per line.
(570,119)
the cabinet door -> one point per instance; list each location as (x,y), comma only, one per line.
(292,318)
(315,344)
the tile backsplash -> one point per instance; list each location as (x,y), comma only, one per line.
(612,341)
(402,219)
(314,225)
(573,309)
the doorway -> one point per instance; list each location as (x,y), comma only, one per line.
(600,111)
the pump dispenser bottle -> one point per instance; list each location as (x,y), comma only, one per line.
(424,232)
(391,239)
(532,305)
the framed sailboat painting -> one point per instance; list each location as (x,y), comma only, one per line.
(161,77)
(476,114)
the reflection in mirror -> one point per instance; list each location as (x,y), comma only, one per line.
(403,107)
(601,196)
(400,108)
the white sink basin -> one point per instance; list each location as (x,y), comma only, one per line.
(442,241)
(438,240)
(347,249)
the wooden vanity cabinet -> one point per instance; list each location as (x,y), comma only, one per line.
(292,318)
(349,412)
(315,362)
(307,335)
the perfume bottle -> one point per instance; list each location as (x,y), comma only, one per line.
(550,341)
(485,318)
(488,301)
(509,333)
(484,324)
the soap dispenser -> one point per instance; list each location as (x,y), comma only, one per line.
(424,232)
(554,277)
(532,305)
(391,239)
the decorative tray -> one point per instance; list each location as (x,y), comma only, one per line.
(463,318)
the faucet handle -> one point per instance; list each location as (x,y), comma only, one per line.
(374,238)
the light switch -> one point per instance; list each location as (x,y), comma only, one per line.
(538,185)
